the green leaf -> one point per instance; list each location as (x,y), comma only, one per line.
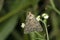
(8,27)
(23,5)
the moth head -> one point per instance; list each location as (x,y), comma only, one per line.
(30,15)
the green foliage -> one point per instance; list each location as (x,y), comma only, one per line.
(7,27)
(13,12)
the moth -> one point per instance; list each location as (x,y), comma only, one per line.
(31,24)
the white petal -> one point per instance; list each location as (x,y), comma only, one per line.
(38,18)
(45,16)
(22,25)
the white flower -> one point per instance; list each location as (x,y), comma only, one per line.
(22,25)
(45,16)
(38,18)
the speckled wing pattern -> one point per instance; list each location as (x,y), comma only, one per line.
(32,24)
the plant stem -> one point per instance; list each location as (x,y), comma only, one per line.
(53,6)
(39,34)
(32,35)
(46,29)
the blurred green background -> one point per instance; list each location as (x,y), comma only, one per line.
(13,13)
